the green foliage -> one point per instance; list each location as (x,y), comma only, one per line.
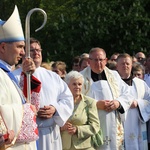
(75,26)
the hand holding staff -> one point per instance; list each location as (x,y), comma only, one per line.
(27,35)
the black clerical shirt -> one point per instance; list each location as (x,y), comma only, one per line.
(128,81)
(96,77)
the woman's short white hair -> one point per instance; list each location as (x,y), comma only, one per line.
(73,75)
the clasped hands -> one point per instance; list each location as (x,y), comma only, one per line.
(134,104)
(108,105)
(46,112)
(69,127)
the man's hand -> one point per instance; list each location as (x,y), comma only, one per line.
(113,105)
(103,104)
(108,105)
(11,136)
(28,65)
(134,104)
(46,112)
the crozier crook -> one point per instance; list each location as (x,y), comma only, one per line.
(27,47)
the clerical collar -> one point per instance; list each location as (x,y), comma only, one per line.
(129,80)
(100,76)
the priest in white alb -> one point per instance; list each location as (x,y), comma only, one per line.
(112,96)
(139,112)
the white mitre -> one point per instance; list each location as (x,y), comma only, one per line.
(11,30)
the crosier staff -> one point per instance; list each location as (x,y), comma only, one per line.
(27,47)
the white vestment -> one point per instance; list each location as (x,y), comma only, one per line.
(102,90)
(10,99)
(135,123)
(54,91)
(147,79)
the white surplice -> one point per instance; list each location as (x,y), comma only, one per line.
(147,79)
(54,91)
(101,90)
(12,110)
(135,123)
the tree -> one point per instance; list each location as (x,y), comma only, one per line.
(75,26)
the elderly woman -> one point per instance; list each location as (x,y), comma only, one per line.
(84,122)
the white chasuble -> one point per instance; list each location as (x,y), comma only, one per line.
(11,109)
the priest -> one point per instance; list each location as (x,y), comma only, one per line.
(139,113)
(112,96)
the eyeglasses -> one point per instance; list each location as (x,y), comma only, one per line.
(97,60)
(36,50)
(140,58)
